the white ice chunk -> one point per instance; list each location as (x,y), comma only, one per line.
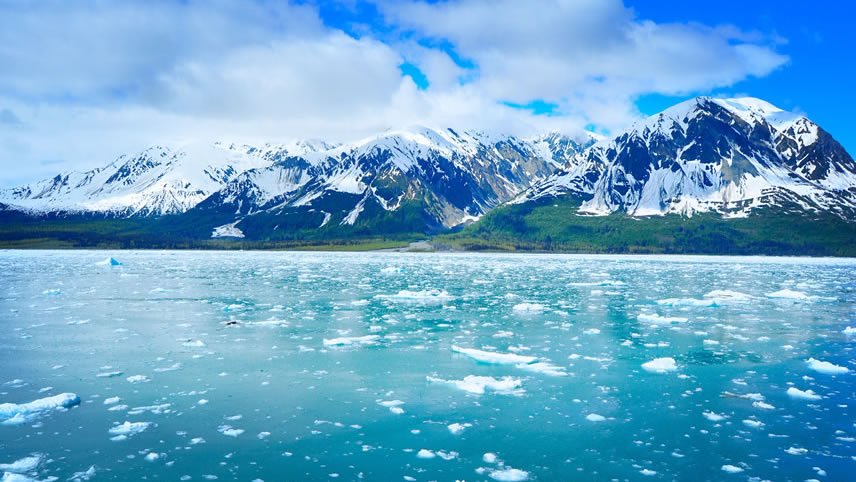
(825,367)
(350,341)
(16,414)
(794,392)
(480,384)
(127,429)
(660,365)
(508,475)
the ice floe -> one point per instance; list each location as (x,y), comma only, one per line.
(523,362)
(528,308)
(138,379)
(660,365)
(394,406)
(656,319)
(351,341)
(794,392)
(20,413)
(791,295)
(731,469)
(508,475)
(109,262)
(458,428)
(24,465)
(479,385)
(594,417)
(826,367)
(122,431)
(428,296)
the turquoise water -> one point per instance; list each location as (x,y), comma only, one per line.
(385,366)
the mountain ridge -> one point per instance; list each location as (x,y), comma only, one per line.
(732,158)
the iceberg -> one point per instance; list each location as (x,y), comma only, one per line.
(24,465)
(794,392)
(656,319)
(109,262)
(350,341)
(16,414)
(509,475)
(479,385)
(523,362)
(425,296)
(791,295)
(128,429)
(530,308)
(660,365)
(825,367)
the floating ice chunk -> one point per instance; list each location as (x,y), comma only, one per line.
(825,367)
(229,431)
(713,416)
(24,465)
(591,331)
(731,469)
(16,414)
(480,384)
(791,295)
(425,296)
(849,331)
(796,451)
(724,296)
(350,341)
(458,428)
(128,429)
(194,344)
(109,374)
(523,362)
(607,282)
(763,405)
(794,392)
(52,292)
(152,456)
(708,302)
(489,458)
(493,357)
(660,365)
(111,400)
(508,475)
(753,423)
(593,417)
(425,454)
(394,406)
(109,262)
(656,319)
(528,308)
(138,379)
(648,472)
(84,475)
(544,368)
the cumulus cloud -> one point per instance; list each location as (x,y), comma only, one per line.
(96,79)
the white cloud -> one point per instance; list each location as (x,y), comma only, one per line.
(93,80)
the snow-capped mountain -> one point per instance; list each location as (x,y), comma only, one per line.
(450,176)
(730,156)
(727,156)
(157,181)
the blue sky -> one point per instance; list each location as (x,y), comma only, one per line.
(93,80)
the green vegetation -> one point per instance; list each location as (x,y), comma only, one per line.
(554,225)
(548,226)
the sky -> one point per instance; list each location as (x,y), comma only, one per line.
(83,82)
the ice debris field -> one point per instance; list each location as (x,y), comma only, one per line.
(131,365)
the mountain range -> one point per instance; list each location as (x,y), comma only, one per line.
(733,162)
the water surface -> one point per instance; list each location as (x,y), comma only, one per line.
(386,366)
